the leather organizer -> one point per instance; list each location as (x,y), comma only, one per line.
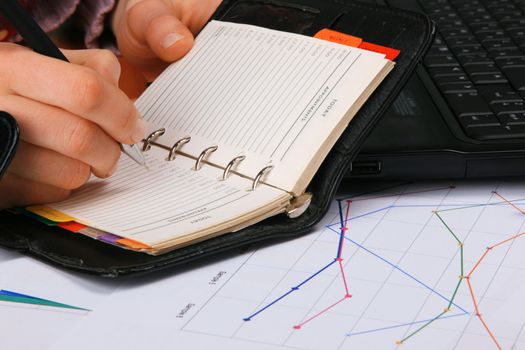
(409,32)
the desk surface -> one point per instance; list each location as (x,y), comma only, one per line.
(426,264)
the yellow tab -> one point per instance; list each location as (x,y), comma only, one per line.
(50,213)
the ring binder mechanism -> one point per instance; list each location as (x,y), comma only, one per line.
(260,175)
(202,155)
(176,147)
(232,162)
(150,141)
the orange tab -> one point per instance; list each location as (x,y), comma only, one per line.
(338,37)
(71,226)
(132,244)
(389,52)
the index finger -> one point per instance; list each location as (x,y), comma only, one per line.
(77,89)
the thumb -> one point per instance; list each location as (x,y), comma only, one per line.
(153,31)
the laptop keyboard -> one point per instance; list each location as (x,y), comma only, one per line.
(478,62)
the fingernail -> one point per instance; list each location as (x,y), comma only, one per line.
(171,39)
(139,132)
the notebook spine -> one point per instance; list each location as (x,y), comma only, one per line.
(151,140)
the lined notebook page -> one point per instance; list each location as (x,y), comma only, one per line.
(166,202)
(272,96)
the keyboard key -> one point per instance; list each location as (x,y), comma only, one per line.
(438,40)
(455,32)
(507,15)
(485,26)
(468,104)
(475,121)
(444,71)
(515,52)
(468,49)
(516,76)
(439,50)
(457,88)
(445,17)
(504,62)
(453,23)
(509,107)
(463,5)
(475,13)
(491,35)
(499,93)
(444,79)
(518,32)
(466,60)
(498,44)
(464,40)
(476,69)
(512,119)
(485,19)
(440,61)
(497,132)
(509,9)
(513,23)
(489,78)
(440,10)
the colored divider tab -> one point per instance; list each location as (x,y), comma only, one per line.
(132,244)
(71,226)
(109,238)
(36,217)
(389,52)
(50,213)
(354,41)
(338,37)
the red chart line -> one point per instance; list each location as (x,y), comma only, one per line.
(340,261)
(509,202)
(347,295)
(298,326)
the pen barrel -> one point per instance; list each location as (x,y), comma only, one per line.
(28,29)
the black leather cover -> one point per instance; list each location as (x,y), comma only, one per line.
(409,32)
(9,133)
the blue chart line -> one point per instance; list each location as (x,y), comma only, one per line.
(403,272)
(338,259)
(340,229)
(293,289)
(403,325)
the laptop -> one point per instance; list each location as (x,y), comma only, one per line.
(462,114)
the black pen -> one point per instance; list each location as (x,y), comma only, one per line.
(38,40)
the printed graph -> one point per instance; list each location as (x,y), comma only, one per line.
(9,298)
(408,267)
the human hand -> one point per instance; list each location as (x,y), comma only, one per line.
(152,33)
(71,116)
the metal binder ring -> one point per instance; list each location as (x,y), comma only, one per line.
(230,165)
(151,138)
(260,175)
(202,155)
(176,147)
